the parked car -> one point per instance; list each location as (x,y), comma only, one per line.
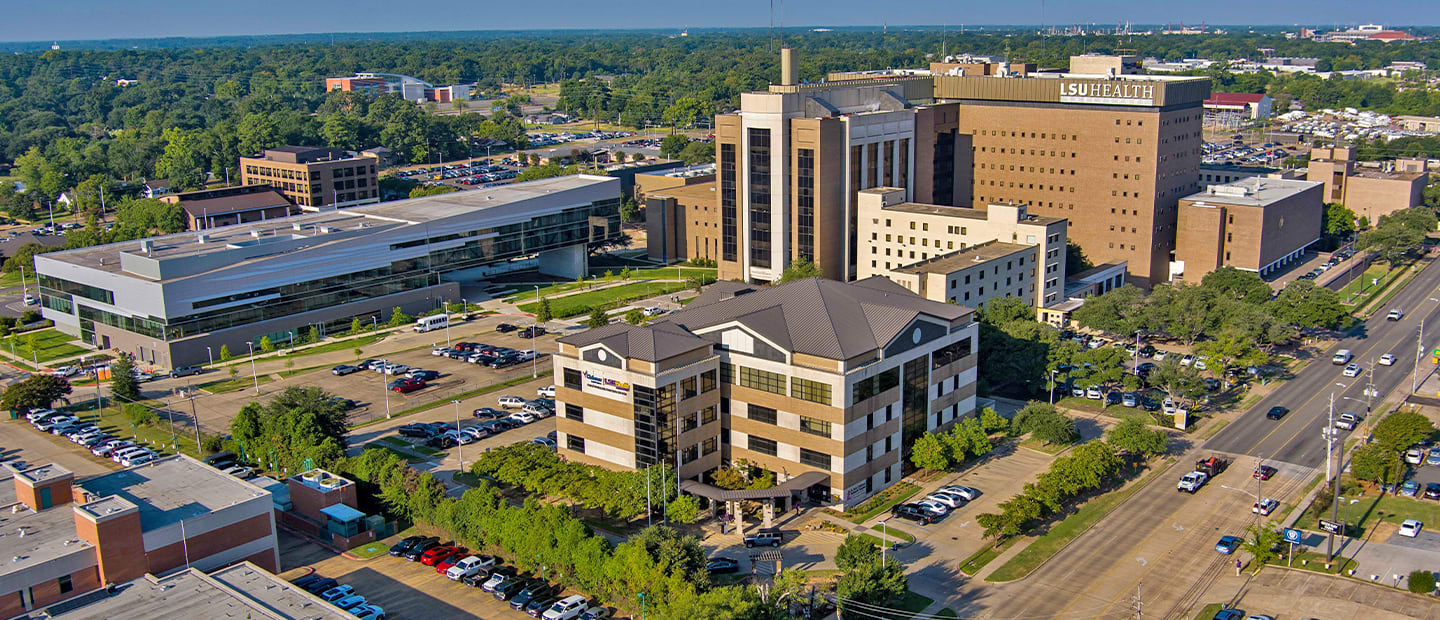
(1433,457)
(1409,488)
(722,566)
(350,602)
(536,409)
(240,471)
(1263,472)
(1129,399)
(912,512)
(544,441)
(523,417)
(420,431)
(420,548)
(1227,545)
(1414,456)
(186,371)
(509,589)
(968,493)
(1264,507)
(505,328)
(344,369)
(405,386)
(539,605)
(399,549)
(320,585)
(950,501)
(511,402)
(469,566)
(1093,393)
(596,613)
(567,608)
(1347,421)
(369,611)
(434,555)
(423,375)
(489,412)
(533,331)
(764,539)
(496,580)
(1411,528)
(547,391)
(336,593)
(1432,490)
(138,459)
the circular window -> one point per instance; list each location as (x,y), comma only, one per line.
(915,336)
(600,354)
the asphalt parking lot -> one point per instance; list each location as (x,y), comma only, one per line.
(21,442)
(405,589)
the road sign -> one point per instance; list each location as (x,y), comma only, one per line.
(1293,535)
(1333,527)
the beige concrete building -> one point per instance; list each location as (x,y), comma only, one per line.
(901,234)
(315,176)
(1105,64)
(1369,192)
(821,382)
(1426,124)
(1257,224)
(974,275)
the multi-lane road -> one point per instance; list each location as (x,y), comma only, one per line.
(1297,438)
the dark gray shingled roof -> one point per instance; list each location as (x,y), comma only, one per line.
(815,316)
(650,343)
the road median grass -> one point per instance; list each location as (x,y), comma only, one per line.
(1068,529)
(231,385)
(894,533)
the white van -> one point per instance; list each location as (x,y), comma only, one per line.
(1342,356)
(431,323)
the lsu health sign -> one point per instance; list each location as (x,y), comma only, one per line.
(614,388)
(1107,93)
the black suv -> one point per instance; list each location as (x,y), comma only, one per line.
(913,513)
(1275,413)
(404,546)
(413,553)
(505,328)
(421,431)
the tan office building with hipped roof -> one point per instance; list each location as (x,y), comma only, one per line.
(818,381)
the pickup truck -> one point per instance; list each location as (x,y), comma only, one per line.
(1346,421)
(1192,482)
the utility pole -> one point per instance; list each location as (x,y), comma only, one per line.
(1137,604)
(1335,499)
(1369,388)
(1414,374)
(649,513)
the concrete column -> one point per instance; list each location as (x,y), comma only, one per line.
(733,507)
(769,514)
(567,262)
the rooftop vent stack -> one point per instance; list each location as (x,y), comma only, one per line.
(256,234)
(789,71)
(146,245)
(202,238)
(298,226)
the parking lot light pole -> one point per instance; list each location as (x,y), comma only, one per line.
(209,357)
(446,305)
(384,387)
(881,523)
(459,449)
(1052,386)
(254,377)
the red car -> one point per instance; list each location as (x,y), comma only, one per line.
(445,563)
(1264,472)
(431,556)
(405,386)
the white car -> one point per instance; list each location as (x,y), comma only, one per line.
(654,311)
(1387,360)
(545,392)
(952,502)
(1346,421)
(566,609)
(1159,355)
(1200,365)
(138,459)
(469,566)
(511,402)
(934,506)
(1414,456)
(1264,507)
(966,492)
(526,355)
(523,417)
(1395,315)
(396,369)
(1410,528)
(240,471)
(1352,370)
(1187,360)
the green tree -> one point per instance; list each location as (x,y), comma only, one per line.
(930,452)
(37,391)
(542,311)
(635,317)
(685,509)
(1228,350)
(1053,429)
(225,353)
(673,145)
(1402,429)
(698,153)
(629,210)
(314,335)
(123,383)
(1233,284)
(296,425)
(872,583)
(800,269)
(1075,260)
(355,325)
(398,317)
(1181,383)
(1262,543)
(1023,420)
(1306,304)
(266,345)
(598,318)
(856,551)
(1421,582)
(1134,436)
(1377,463)
(973,437)
(1118,311)
(1337,220)
(992,422)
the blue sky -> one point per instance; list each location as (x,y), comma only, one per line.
(33,20)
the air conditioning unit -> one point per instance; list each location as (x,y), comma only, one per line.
(312,476)
(331,483)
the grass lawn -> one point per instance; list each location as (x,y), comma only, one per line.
(406,456)
(240,382)
(1052,449)
(880,503)
(13,279)
(341,345)
(49,344)
(156,436)
(1357,288)
(468,479)
(580,303)
(372,550)
(1208,612)
(546,291)
(894,533)
(401,444)
(980,559)
(1373,509)
(1315,563)
(461,396)
(1067,530)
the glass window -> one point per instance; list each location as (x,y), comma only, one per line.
(572,378)
(759,160)
(950,353)
(869,388)
(707,381)
(688,389)
(815,459)
(709,446)
(761,414)
(763,445)
(574,412)
(813,391)
(708,415)
(815,426)
(575,443)
(765,380)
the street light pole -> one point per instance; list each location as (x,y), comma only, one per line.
(1335,499)
(885,544)
(459,449)
(386,388)
(1052,386)
(254,377)
(209,356)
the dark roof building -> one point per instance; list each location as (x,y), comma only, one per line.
(212,208)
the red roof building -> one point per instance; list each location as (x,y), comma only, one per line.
(1251,105)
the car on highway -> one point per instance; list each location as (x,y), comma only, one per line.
(1263,472)
(1191,482)
(1264,507)
(1227,545)
(1387,360)
(1352,370)
(1275,413)
(1343,356)
(1347,421)
(1395,314)
(1410,528)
